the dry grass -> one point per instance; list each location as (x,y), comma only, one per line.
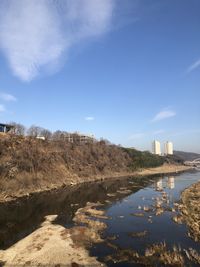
(29,163)
(155,255)
(190,210)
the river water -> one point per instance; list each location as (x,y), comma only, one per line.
(129,204)
(123,222)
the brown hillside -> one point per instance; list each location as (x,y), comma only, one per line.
(29,162)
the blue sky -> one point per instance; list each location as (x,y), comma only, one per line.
(128,71)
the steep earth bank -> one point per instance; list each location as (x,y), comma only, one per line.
(30,165)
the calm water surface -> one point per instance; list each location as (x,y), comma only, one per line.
(20,218)
(159,228)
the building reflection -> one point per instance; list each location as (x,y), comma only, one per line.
(159,185)
(171,183)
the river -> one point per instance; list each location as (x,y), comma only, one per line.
(124,224)
(129,204)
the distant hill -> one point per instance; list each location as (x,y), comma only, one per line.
(186,155)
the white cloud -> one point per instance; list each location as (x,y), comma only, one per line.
(164,114)
(194,66)
(145,134)
(186,132)
(137,136)
(7,97)
(35,35)
(158,132)
(89,118)
(2,108)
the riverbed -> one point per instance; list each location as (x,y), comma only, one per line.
(138,213)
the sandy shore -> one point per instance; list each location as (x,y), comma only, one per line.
(54,245)
(164,169)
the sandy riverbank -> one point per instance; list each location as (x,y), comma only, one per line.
(54,245)
(164,169)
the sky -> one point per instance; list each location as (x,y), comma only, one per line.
(127,71)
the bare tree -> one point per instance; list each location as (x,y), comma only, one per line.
(57,135)
(18,128)
(61,136)
(34,131)
(105,141)
(46,134)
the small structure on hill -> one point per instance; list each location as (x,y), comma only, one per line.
(80,138)
(40,137)
(5,128)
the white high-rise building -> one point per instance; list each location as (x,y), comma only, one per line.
(169,148)
(156,148)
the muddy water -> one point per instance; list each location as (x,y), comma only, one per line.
(124,202)
(133,223)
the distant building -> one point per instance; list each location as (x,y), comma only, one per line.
(87,138)
(79,138)
(5,128)
(169,148)
(40,137)
(156,148)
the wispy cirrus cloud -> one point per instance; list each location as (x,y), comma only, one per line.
(137,136)
(163,114)
(35,35)
(7,97)
(194,66)
(145,134)
(2,108)
(89,118)
(158,132)
(186,132)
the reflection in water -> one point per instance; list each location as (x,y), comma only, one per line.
(171,183)
(159,185)
(168,183)
(128,225)
(21,217)
(145,220)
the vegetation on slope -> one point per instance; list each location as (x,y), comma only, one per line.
(186,155)
(27,163)
(190,210)
(144,159)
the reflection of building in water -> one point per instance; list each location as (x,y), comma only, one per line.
(159,185)
(171,183)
